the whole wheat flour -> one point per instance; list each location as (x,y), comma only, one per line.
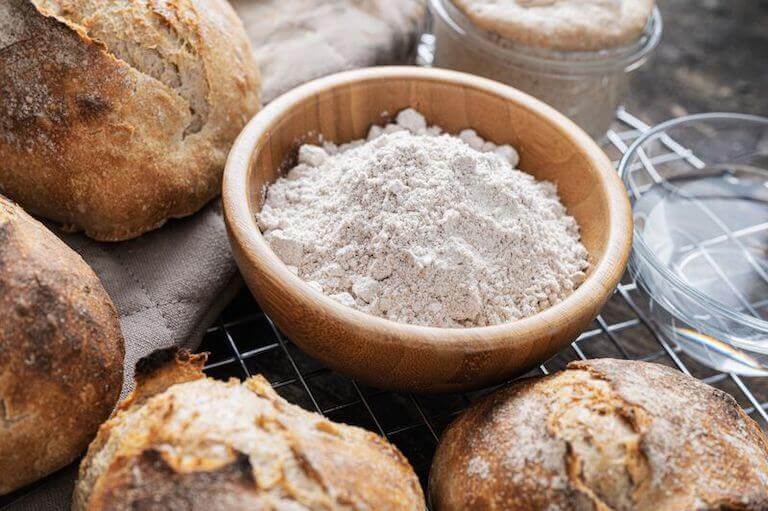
(424,228)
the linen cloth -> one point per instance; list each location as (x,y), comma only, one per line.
(170,285)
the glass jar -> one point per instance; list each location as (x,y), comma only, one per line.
(586,86)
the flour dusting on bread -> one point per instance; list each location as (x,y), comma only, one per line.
(117,116)
(232,444)
(603,434)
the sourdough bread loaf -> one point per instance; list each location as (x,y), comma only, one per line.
(603,435)
(116,116)
(183,441)
(61,351)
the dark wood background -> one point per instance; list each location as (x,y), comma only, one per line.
(713,57)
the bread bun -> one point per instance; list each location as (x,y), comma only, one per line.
(61,351)
(183,441)
(603,435)
(116,116)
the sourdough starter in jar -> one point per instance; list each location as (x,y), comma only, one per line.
(573,54)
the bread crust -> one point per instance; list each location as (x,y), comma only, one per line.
(182,441)
(603,435)
(115,140)
(61,351)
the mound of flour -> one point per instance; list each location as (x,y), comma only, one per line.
(424,228)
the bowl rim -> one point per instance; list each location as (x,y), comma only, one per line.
(601,281)
(641,248)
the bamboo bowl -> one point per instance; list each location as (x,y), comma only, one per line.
(398,356)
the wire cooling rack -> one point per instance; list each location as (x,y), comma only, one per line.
(245,342)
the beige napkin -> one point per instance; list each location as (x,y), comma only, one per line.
(298,40)
(169,285)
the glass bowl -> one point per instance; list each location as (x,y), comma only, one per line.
(698,187)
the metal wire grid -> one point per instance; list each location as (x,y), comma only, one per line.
(245,342)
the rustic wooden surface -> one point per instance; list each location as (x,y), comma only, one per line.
(713,57)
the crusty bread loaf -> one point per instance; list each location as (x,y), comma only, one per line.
(603,435)
(182,441)
(116,116)
(61,351)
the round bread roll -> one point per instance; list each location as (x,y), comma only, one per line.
(183,441)
(116,116)
(603,435)
(61,351)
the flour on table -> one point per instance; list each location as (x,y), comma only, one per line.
(425,228)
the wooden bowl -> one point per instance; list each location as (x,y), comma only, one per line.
(400,356)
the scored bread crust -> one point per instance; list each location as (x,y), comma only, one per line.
(61,351)
(117,116)
(183,441)
(603,435)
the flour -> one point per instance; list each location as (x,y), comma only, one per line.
(424,228)
(478,467)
